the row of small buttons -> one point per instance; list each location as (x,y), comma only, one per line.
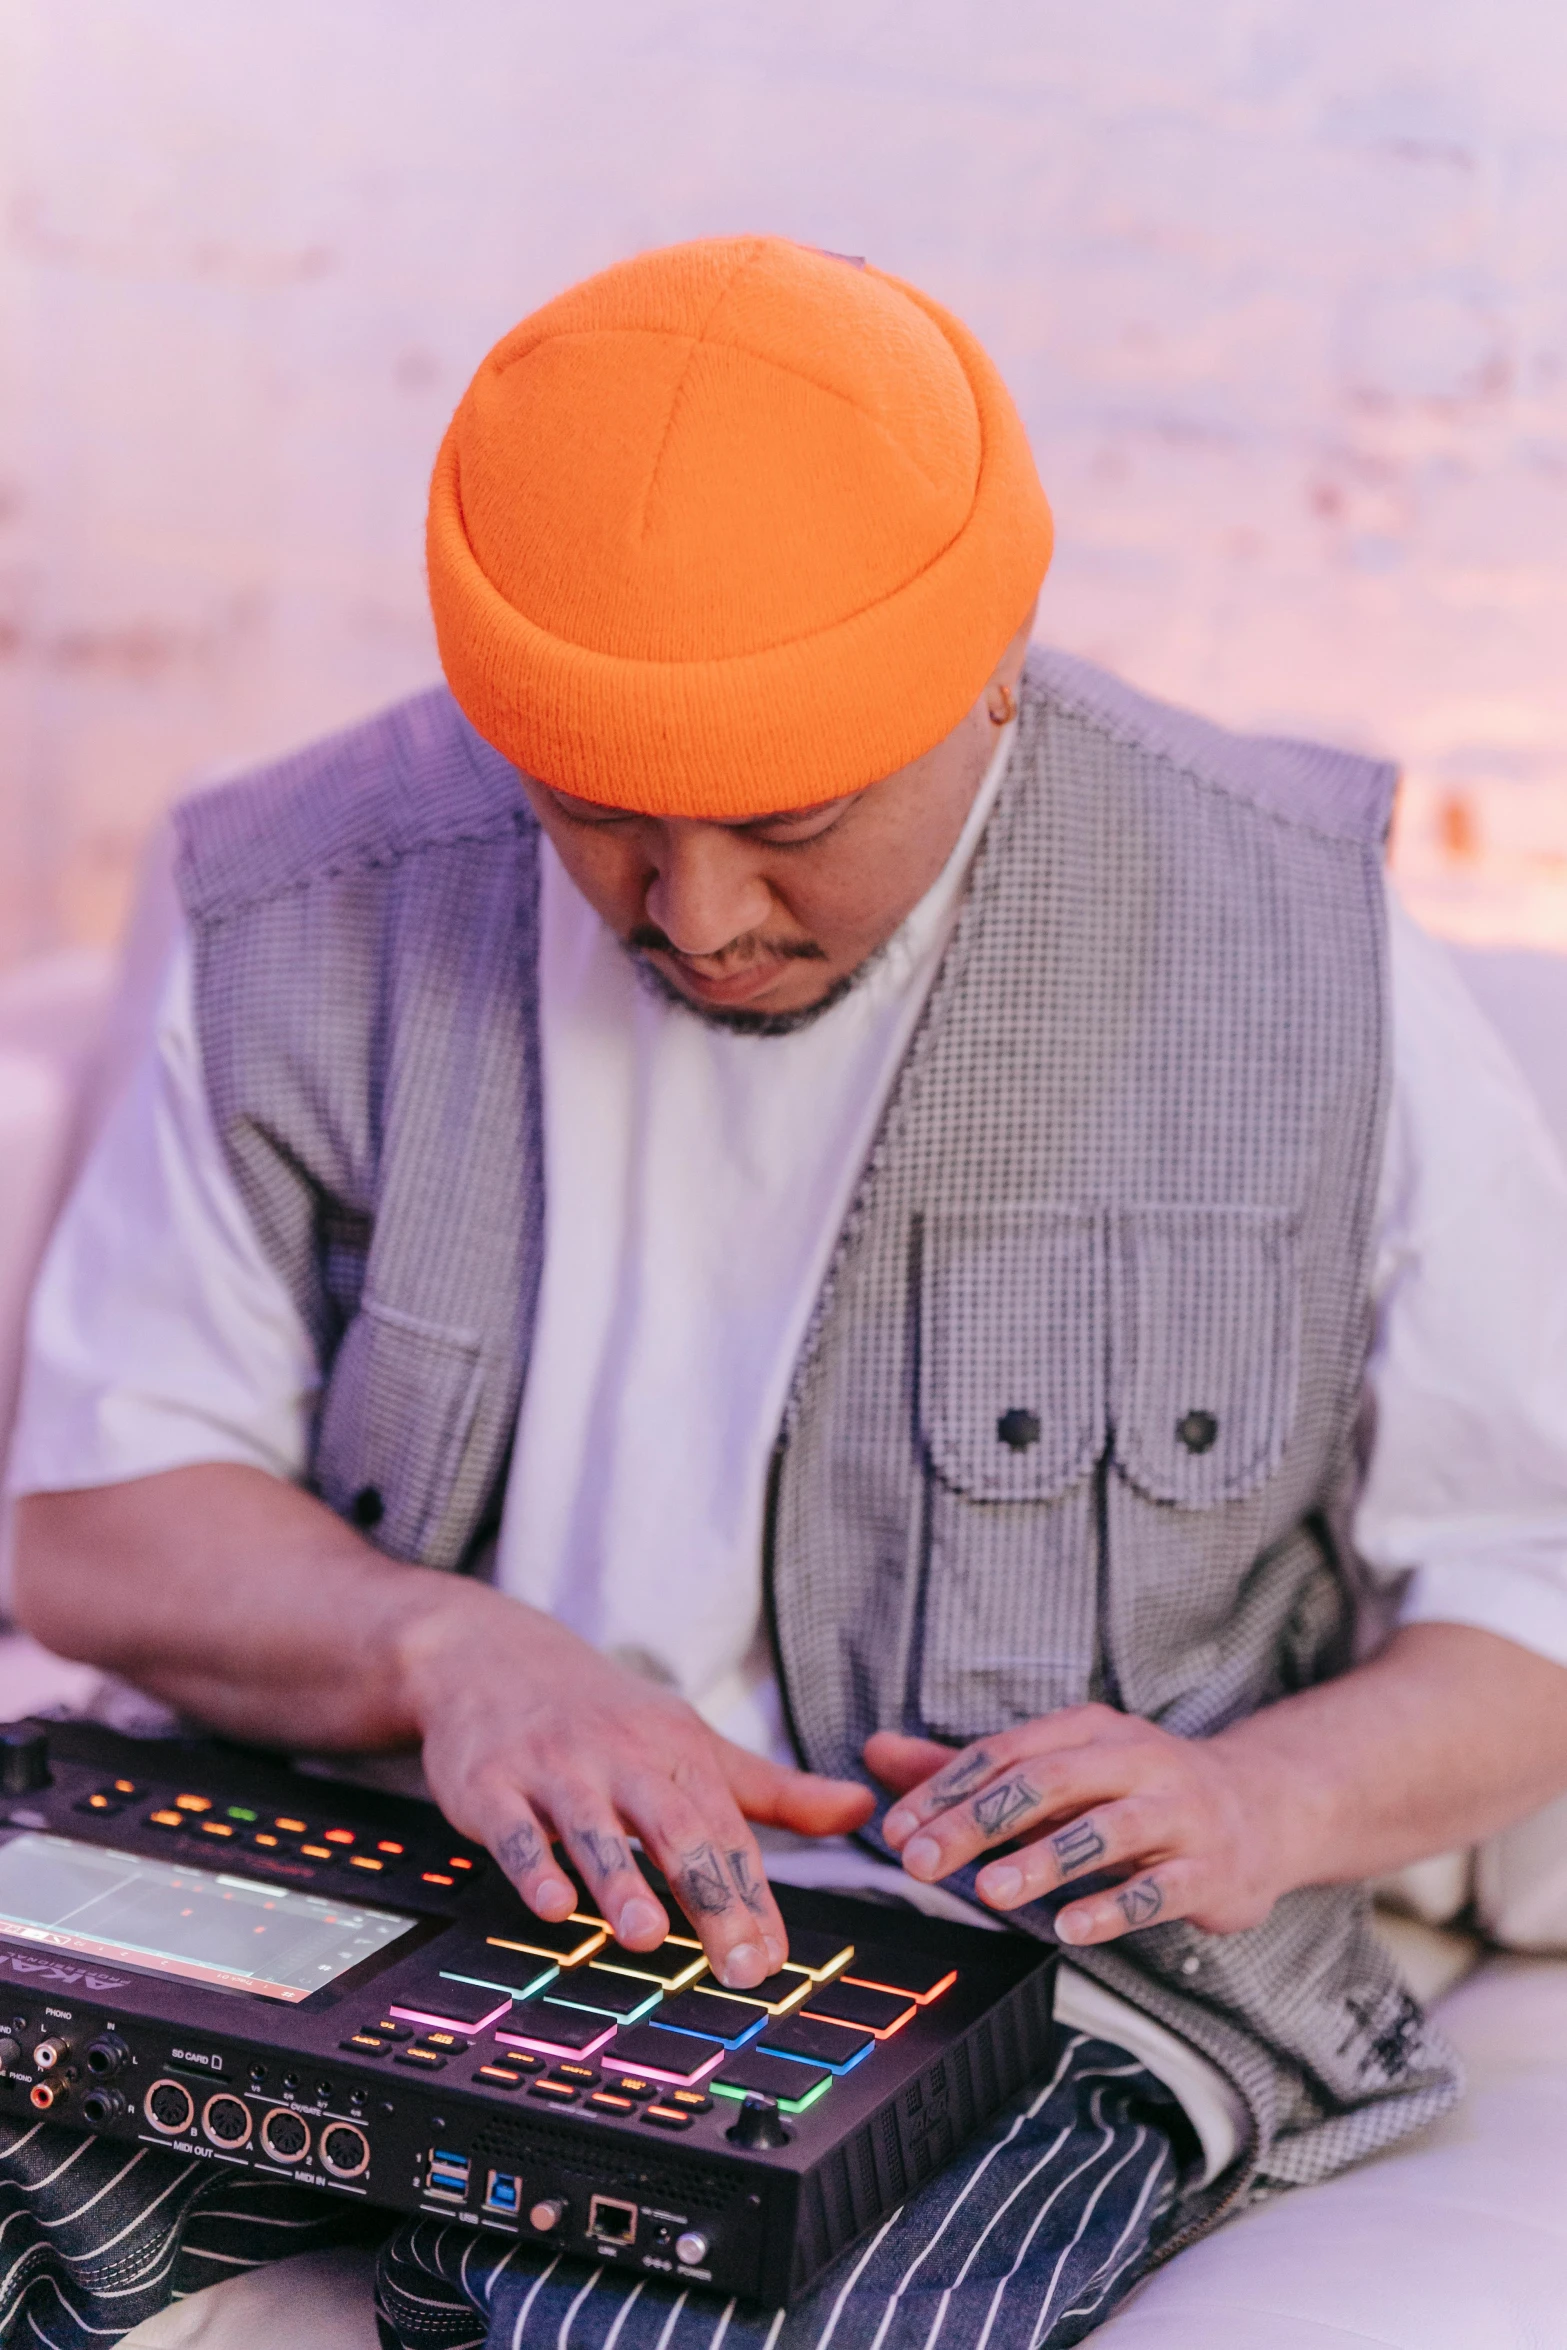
(237,1822)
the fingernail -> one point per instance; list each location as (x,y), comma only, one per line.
(744,1967)
(1000,1884)
(554,1899)
(898,1823)
(637,1920)
(922,1857)
(776,1955)
(1070,1929)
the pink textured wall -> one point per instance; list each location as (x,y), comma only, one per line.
(1281,286)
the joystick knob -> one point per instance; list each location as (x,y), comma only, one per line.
(759,2127)
(24,1758)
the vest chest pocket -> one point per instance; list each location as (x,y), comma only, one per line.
(1013,1348)
(1205,1350)
(395,1423)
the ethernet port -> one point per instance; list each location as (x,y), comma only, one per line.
(612,2222)
(504,2193)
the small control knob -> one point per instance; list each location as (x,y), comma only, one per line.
(759,2127)
(10,2052)
(691,2248)
(24,1758)
(547,2213)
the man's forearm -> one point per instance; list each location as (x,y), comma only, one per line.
(235,1597)
(1448,1735)
(249,1605)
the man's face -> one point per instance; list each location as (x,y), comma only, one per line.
(769,917)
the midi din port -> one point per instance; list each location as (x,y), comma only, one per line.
(284,2136)
(225,2121)
(345,2151)
(611,2221)
(170,2107)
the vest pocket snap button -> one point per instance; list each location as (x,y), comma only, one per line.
(367,1509)
(1018,1429)
(1197,1431)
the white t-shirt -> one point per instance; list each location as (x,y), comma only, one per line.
(696,1182)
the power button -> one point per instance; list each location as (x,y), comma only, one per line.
(691,2248)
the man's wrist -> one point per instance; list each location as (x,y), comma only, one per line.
(1288,1797)
(432,1640)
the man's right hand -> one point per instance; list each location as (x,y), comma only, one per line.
(528,1731)
(248,1605)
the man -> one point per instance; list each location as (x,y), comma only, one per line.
(769,1182)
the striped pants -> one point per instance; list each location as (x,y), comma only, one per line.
(1025,2242)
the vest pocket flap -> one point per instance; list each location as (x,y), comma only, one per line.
(395,1423)
(1012,1349)
(1205,1349)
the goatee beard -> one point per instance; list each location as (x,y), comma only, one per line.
(738,1021)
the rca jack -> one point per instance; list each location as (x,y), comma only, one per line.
(170,2107)
(48,2054)
(284,2137)
(225,2121)
(43,2094)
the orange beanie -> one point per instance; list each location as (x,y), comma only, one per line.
(733,527)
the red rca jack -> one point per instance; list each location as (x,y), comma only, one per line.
(43,2094)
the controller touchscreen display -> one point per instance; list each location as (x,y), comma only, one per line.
(227,1931)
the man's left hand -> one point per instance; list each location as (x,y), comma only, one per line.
(1087,1792)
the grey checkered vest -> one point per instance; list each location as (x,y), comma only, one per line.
(1076,1413)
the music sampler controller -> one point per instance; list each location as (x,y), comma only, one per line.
(205,1950)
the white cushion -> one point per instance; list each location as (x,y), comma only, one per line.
(1455,2241)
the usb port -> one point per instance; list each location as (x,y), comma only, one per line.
(612,2222)
(504,2192)
(448,2174)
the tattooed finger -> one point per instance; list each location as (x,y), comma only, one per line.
(997,1810)
(1077,1848)
(1141,1901)
(606,1855)
(745,1884)
(521,1850)
(703,1883)
(528,1861)
(960,1779)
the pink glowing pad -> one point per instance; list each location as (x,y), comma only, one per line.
(459,2014)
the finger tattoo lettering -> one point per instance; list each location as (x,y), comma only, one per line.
(998,1807)
(1140,1902)
(521,1848)
(702,1884)
(605,1854)
(745,1883)
(953,1784)
(1077,1847)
